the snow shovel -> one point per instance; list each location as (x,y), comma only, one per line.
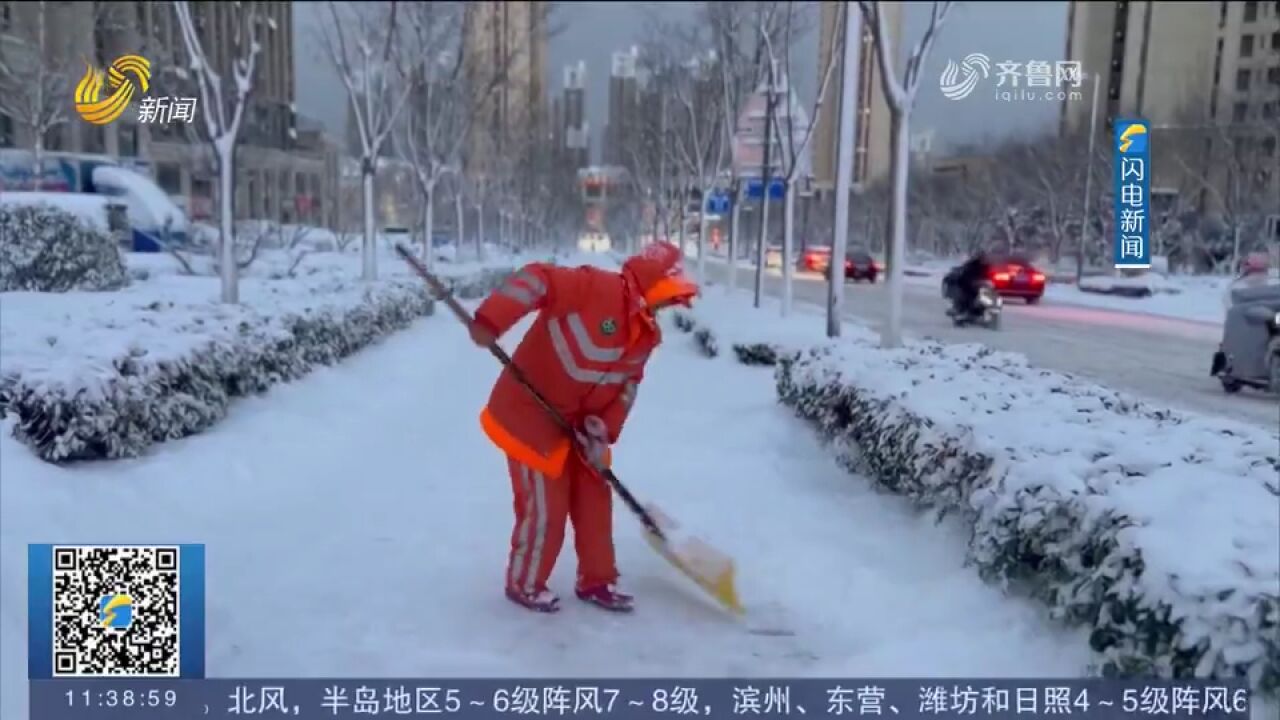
(711,569)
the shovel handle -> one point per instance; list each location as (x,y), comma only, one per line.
(446,296)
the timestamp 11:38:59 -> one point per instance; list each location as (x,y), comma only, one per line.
(122,698)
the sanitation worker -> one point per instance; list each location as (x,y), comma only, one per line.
(585,353)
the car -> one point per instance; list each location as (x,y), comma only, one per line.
(1016,276)
(815,258)
(1011,275)
(859,265)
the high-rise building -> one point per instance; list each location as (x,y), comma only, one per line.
(576,150)
(1188,66)
(281,179)
(872,146)
(620,129)
(508,37)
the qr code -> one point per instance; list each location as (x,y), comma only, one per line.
(115,611)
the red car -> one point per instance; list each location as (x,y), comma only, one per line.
(817,258)
(1015,276)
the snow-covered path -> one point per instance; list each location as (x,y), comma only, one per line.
(356,524)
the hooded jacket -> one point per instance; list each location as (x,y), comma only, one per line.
(585,352)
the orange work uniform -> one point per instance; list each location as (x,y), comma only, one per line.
(585,354)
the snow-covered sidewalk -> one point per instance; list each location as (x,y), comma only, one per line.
(368,486)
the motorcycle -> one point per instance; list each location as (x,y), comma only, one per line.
(1249,354)
(985,310)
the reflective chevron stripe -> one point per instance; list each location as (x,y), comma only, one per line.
(629,394)
(588,346)
(571,366)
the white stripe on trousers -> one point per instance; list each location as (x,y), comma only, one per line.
(534,523)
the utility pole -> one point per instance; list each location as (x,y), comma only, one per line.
(1088,182)
(849,74)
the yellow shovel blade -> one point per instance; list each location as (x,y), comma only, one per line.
(711,569)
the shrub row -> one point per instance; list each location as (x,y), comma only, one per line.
(142,403)
(1077,541)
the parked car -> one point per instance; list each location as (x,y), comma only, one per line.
(1012,276)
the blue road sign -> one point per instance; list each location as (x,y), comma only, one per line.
(777,189)
(718,203)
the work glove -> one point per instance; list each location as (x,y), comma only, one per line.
(593,437)
(481,336)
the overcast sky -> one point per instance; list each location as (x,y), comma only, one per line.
(1018,32)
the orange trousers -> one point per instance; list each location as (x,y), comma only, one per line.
(542,505)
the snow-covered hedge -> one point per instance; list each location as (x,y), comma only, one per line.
(47,249)
(107,379)
(1159,531)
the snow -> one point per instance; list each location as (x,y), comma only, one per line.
(72,339)
(90,209)
(869,587)
(1203,493)
(150,208)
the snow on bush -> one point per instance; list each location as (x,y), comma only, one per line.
(47,249)
(1159,530)
(93,378)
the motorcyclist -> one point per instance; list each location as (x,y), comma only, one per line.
(1255,271)
(969,277)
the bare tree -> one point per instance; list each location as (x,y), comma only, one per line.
(223,108)
(795,131)
(367,47)
(36,81)
(900,93)
(1234,172)
(732,32)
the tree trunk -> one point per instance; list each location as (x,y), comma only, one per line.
(891,336)
(428,224)
(732,247)
(765,181)
(702,241)
(369,267)
(459,219)
(480,229)
(228,269)
(788,240)
(38,170)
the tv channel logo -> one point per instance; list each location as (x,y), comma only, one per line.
(115,611)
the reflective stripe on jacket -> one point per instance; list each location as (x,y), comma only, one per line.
(585,353)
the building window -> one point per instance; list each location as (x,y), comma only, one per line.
(1275,40)
(169,178)
(1246,46)
(6,131)
(1250,11)
(1269,110)
(94,139)
(1273,75)
(1242,80)
(1269,146)
(1239,112)
(6,16)
(128,140)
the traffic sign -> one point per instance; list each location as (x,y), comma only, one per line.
(777,189)
(718,203)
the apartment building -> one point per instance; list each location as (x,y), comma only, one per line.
(1205,72)
(283,175)
(872,147)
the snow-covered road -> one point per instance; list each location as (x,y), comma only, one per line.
(1162,358)
(356,524)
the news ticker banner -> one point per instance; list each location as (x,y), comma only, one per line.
(115,610)
(901,699)
(1132,212)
